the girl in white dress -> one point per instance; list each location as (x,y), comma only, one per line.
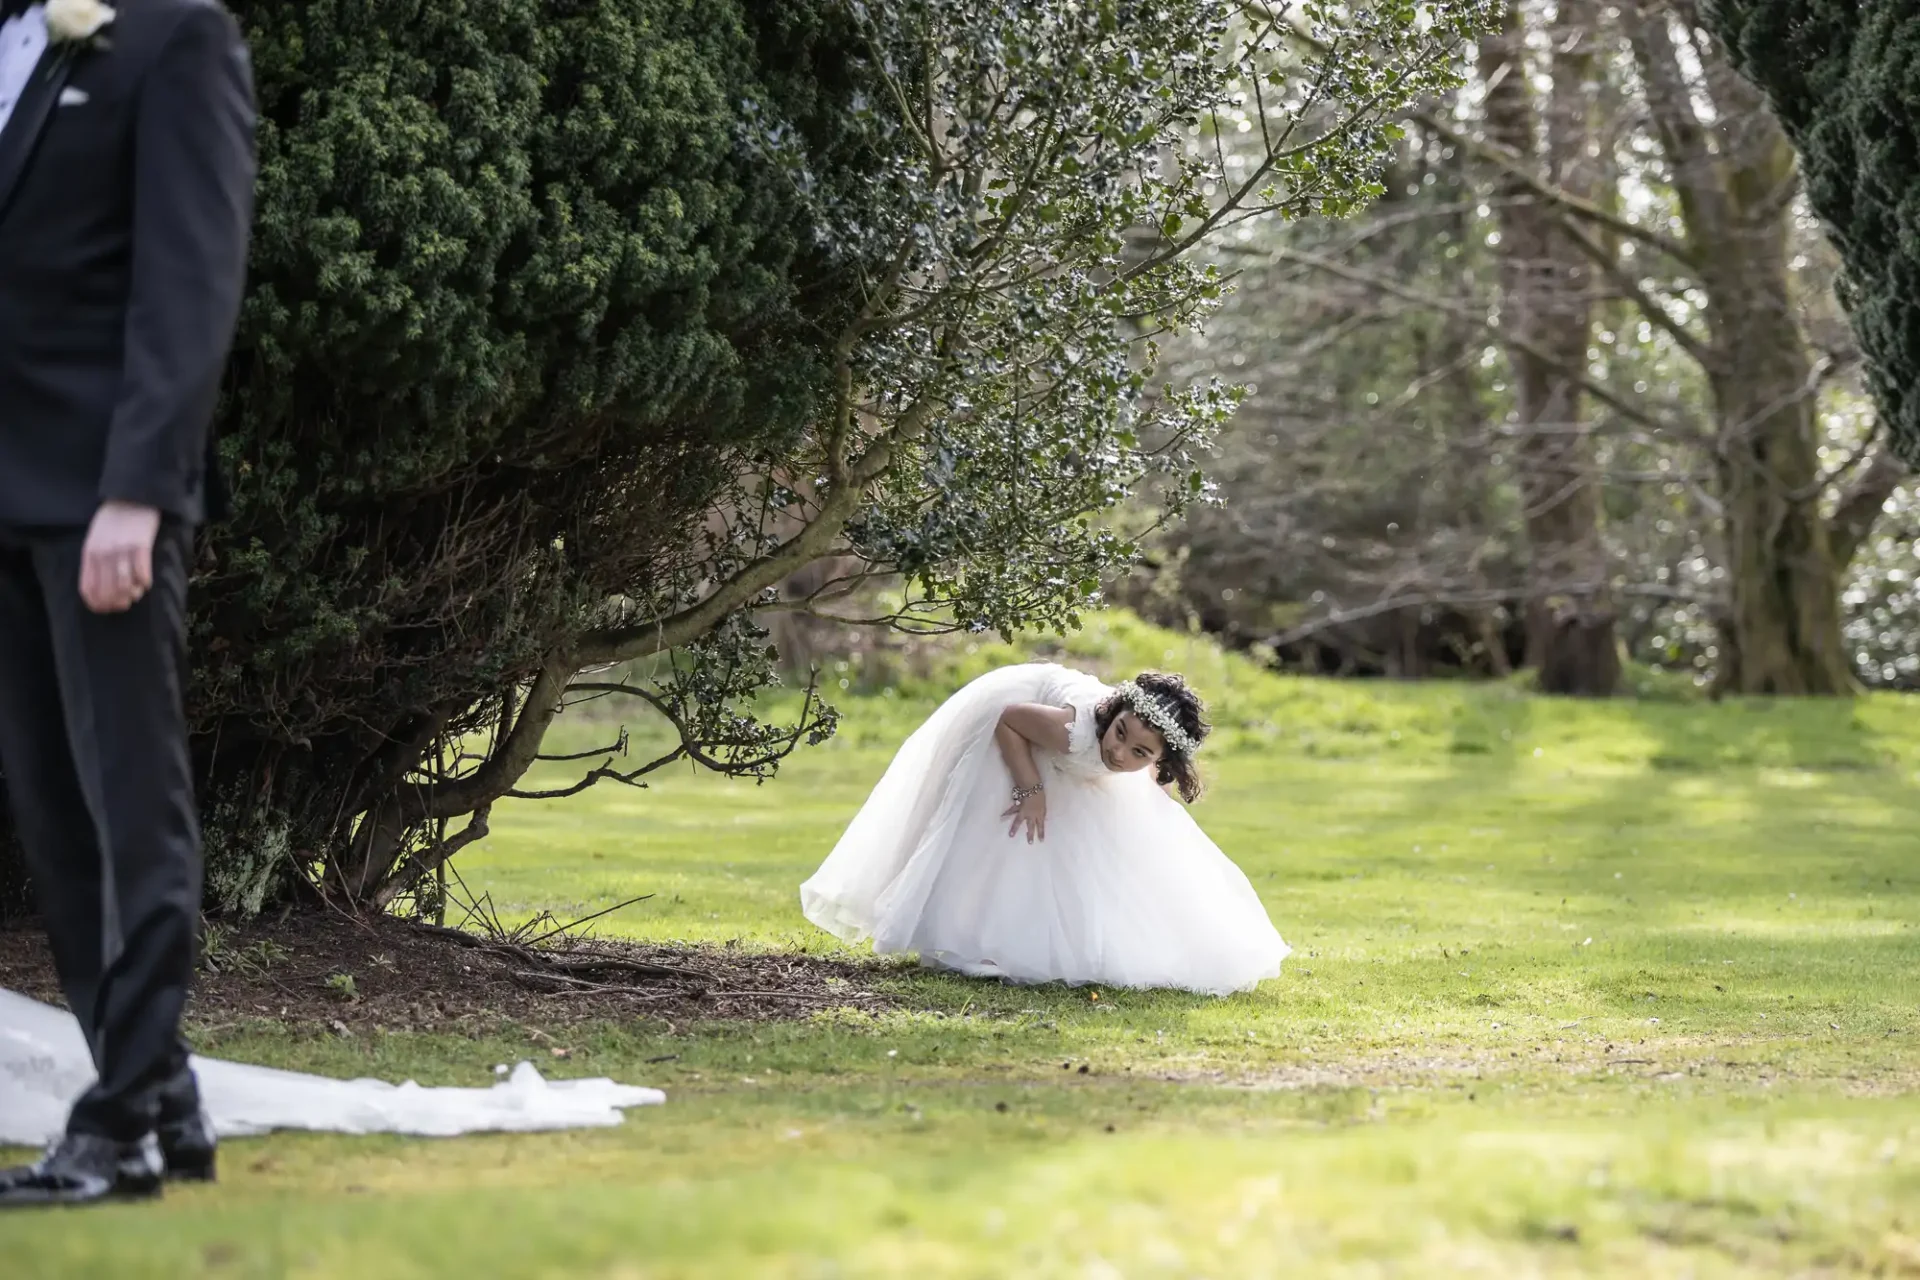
(1024,832)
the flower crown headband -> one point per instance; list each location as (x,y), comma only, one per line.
(1156,714)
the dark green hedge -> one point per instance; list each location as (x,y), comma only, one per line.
(1844,77)
(523,295)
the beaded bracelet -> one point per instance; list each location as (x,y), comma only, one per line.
(1023,794)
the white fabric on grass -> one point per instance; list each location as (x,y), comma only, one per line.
(44,1066)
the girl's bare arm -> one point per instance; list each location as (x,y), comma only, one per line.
(1021,728)
(1024,726)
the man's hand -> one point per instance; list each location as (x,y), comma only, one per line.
(116,565)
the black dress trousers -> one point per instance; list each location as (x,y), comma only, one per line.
(93,745)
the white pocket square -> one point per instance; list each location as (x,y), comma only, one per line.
(71,97)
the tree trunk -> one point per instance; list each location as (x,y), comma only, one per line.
(1735,196)
(1784,578)
(1571,642)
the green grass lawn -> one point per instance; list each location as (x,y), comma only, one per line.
(1625,989)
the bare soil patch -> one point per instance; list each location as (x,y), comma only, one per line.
(1719,1061)
(345,973)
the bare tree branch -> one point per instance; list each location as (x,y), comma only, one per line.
(619,748)
(1649,306)
(1598,390)
(816,539)
(1670,103)
(423,862)
(1861,505)
(1575,205)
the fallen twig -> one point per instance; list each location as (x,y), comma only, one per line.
(580,986)
(818,997)
(575,924)
(580,963)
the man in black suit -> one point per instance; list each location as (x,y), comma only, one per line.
(126,194)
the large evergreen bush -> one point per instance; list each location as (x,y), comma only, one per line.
(1844,78)
(521,304)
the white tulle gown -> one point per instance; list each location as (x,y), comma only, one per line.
(44,1066)
(1125,890)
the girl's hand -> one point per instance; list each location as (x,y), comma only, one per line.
(1033,812)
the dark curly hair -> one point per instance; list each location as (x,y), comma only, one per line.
(1172,692)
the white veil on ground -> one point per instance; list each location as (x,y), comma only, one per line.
(44,1066)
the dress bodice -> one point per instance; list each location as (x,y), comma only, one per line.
(1081,760)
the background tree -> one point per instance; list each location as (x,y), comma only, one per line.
(1667,445)
(1547,312)
(1367,523)
(1735,193)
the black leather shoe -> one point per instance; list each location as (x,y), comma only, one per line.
(187,1146)
(84,1168)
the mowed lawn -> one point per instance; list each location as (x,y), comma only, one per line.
(1616,989)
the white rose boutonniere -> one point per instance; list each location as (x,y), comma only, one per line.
(78,23)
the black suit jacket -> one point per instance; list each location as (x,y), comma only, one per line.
(126,195)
